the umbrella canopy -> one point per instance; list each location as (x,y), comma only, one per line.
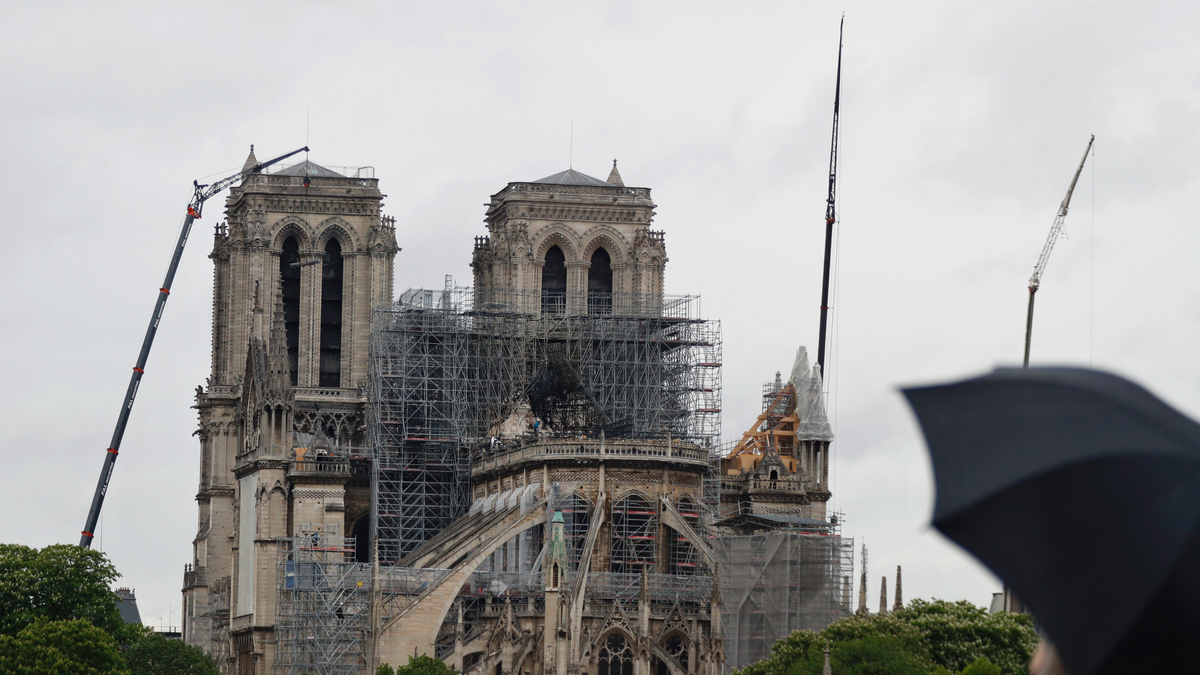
(1081,490)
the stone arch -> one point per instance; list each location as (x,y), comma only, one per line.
(607,238)
(634,524)
(291,225)
(557,235)
(666,662)
(340,228)
(632,491)
(440,596)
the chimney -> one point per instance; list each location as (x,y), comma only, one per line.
(899,604)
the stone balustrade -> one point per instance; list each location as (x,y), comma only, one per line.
(486,459)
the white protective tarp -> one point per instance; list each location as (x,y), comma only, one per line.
(810,400)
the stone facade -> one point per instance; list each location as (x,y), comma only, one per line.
(591,222)
(303,256)
(580,553)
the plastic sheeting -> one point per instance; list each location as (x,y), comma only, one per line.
(810,401)
(778,582)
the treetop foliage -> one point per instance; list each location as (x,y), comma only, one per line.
(72,647)
(418,665)
(58,583)
(926,637)
(157,654)
(59,616)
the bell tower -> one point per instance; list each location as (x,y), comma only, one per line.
(303,257)
(571,244)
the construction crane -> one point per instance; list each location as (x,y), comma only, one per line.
(830,212)
(200,195)
(1056,229)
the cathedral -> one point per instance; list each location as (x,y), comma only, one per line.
(522,477)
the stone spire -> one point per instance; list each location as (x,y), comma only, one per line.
(556,563)
(899,604)
(279,375)
(883,597)
(257,323)
(614,176)
(827,670)
(862,595)
(251,160)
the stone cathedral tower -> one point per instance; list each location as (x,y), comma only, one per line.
(304,256)
(573,244)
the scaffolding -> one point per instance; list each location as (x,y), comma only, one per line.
(450,367)
(683,555)
(634,534)
(324,599)
(777,582)
(208,624)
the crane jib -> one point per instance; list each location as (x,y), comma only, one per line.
(1056,229)
(830,210)
(110,457)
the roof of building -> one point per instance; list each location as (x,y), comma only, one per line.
(573,177)
(128,606)
(309,168)
(614,176)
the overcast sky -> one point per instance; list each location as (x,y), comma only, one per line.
(962,124)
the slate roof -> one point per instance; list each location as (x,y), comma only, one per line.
(573,177)
(127,604)
(310,168)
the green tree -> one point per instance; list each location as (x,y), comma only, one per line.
(958,634)
(418,665)
(877,655)
(57,583)
(788,655)
(981,667)
(878,645)
(73,647)
(951,637)
(150,653)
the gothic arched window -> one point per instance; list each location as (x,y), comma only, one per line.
(600,283)
(554,282)
(576,512)
(634,535)
(289,274)
(677,648)
(361,533)
(331,316)
(615,656)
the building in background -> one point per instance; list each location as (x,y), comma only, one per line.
(521,476)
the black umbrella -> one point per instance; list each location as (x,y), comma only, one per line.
(1081,490)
